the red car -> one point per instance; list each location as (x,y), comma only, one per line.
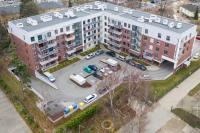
(198,37)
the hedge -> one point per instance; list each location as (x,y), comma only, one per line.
(63,64)
(20,107)
(194,90)
(78,119)
(90,51)
(189,118)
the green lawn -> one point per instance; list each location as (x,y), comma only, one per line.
(63,64)
(161,87)
(90,51)
(194,90)
(189,118)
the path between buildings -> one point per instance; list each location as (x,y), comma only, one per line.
(161,112)
(10,120)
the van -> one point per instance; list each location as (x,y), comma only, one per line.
(50,76)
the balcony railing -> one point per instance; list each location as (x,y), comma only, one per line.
(115,38)
(70,38)
(48,60)
(114,31)
(115,44)
(43,55)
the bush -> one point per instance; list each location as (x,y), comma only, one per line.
(90,51)
(63,64)
(78,119)
(189,118)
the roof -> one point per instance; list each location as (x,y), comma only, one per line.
(190,7)
(110,8)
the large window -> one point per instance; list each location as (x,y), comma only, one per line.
(32,39)
(159,35)
(168,38)
(39,37)
(49,34)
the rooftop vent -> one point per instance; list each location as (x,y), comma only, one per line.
(77,9)
(46,18)
(171,25)
(130,11)
(20,25)
(179,25)
(153,17)
(150,20)
(31,21)
(116,9)
(141,19)
(157,20)
(58,15)
(125,10)
(70,14)
(165,21)
(97,3)
(90,7)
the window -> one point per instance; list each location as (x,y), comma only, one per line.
(146,31)
(125,24)
(104,40)
(39,37)
(84,41)
(157,49)
(56,31)
(49,34)
(105,17)
(168,38)
(129,25)
(166,44)
(61,30)
(159,35)
(32,39)
(98,18)
(83,22)
(88,20)
(105,24)
(105,29)
(67,28)
(165,52)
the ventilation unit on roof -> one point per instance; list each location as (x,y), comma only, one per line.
(97,3)
(150,20)
(171,25)
(31,21)
(153,17)
(157,20)
(179,25)
(90,7)
(165,21)
(77,9)
(86,6)
(130,11)
(125,10)
(19,25)
(58,15)
(141,19)
(46,18)
(70,14)
(116,9)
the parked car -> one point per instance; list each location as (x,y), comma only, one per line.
(141,67)
(98,75)
(90,98)
(99,52)
(120,57)
(93,67)
(50,76)
(89,56)
(111,53)
(102,90)
(87,70)
(131,62)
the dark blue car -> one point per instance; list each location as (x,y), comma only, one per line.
(93,67)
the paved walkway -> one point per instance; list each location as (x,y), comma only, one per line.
(10,120)
(161,114)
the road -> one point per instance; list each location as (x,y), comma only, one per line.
(10,120)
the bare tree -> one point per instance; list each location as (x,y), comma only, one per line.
(162,6)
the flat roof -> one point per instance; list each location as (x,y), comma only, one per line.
(110,8)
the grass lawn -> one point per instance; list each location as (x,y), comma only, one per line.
(189,118)
(90,51)
(26,106)
(161,87)
(194,90)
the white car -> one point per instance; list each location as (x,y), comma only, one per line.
(89,56)
(102,70)
(50,76)
(90,98)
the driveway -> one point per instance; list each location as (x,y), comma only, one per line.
(10,120)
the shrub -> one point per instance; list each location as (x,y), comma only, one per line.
(78,119)
(90,51)
(63,64)
(189,118)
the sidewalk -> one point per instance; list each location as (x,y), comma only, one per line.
(10,120)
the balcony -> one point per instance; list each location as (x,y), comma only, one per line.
(43,55)
(114,25)
(114,49)
(114,44)
(114,31)
(48,60)
(115,38)
(72,37)
(148,55)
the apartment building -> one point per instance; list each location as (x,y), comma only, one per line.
(44,40)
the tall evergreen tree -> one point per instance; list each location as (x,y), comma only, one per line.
(196,14)
(28,8)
